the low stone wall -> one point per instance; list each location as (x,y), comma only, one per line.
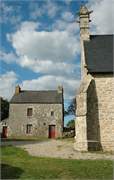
(67,132)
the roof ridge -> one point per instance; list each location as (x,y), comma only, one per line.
(101,35)
(48,96)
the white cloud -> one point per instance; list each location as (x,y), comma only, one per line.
(52,53)
(49,8)
(8,57)
(43,45)
(67,23)
(51,82)
(29,26)
(45,52)
(49,67)
(68,16)
(8,15)
(5,8)
(70,27)
(35,10)
(102,20)
(7,82)
(60,25)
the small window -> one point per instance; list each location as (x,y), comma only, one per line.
(52,113)
(29,128)
(29,112)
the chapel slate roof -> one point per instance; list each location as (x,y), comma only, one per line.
(45,97)
(99,54)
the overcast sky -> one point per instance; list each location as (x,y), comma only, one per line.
(40,45)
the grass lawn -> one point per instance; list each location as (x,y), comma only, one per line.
(17,163)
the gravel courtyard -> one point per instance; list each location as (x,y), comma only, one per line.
(61,149)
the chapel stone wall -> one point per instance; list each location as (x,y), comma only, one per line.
(103,112)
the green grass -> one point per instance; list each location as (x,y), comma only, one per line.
(16,163)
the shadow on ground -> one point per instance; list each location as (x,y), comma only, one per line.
(10,172)
(16,142)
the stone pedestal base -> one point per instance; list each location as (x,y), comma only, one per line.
(94,146)
(81,146)
(108,146)
(87,145)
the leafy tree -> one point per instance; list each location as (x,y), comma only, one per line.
(4,109)
(71,124)
(71,110)
(65,113)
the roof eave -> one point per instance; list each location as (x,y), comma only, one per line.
(100,72)
(36,102)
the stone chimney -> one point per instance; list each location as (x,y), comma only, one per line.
(84,19)
(17,90)
(60,89)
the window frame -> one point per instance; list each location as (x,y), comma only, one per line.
(52,113)
(29,128)
(29,112)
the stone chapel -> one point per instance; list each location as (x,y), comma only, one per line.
(95,99)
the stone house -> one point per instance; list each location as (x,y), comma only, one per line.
(95,99)
(4,112)
(36,113)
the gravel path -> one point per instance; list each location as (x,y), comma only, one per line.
(61,149)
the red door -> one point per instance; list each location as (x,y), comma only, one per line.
(4,132)
(51,131)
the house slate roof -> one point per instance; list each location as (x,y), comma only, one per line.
(44,97)
(99,54)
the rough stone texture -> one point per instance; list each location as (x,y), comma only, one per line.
(95,103)
(81,113)
(103,110)
(95,114)
(84,23)
(40,120)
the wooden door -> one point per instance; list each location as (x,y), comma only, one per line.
(51,131)
(4,132)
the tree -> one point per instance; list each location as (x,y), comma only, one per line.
(71,124)
(71,110)
(4,109)
(65,113)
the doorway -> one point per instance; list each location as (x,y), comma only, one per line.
(52,131)
(4,132)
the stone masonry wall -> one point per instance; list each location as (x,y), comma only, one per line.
(95,114)
(95,103)
(104,110)
(40,120)
(93,128)
(81,143)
